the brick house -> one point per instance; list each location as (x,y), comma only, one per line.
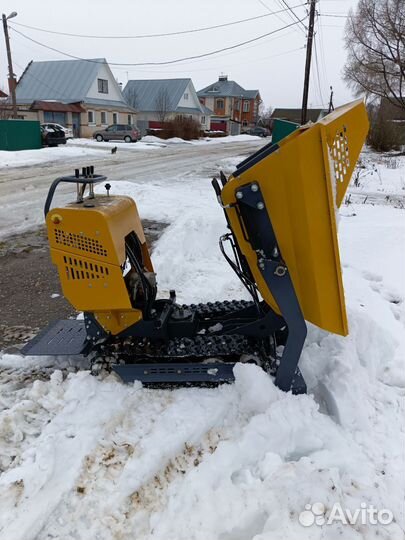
(235,109)
(80,94)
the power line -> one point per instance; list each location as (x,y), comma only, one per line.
(29,74)
(255,60)
(294,14)
(165,62)
(322,51)
(336,15)
(271,11)
(317,70)
(166,34)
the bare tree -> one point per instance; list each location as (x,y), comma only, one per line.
(375,41)
(162,104)
(131,97)
(265,116)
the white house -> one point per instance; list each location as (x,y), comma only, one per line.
(82,94)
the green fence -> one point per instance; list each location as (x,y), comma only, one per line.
(282,128)
(20,135)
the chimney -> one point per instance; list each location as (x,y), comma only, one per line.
(223,77)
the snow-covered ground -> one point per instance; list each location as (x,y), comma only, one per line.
(25,158)
(77,148)
(86,458)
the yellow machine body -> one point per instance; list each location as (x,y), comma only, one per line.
(87,243)
(303,183)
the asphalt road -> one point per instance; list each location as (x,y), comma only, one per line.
(23,190)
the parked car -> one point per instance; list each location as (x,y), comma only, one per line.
(118,132)
(52,136)
(68,131)
(258,131)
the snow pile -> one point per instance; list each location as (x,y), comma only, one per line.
(203,140)
(89,458)
(24,158)
(104,145)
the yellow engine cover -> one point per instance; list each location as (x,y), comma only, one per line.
(87,243)
(303,183)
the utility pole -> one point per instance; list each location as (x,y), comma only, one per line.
(331,107)
(11,76)
(308,60)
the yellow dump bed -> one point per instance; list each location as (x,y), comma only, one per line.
(303,180)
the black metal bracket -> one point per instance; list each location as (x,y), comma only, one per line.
(261,235)
(86,178)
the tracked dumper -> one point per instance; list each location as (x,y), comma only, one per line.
(280,210)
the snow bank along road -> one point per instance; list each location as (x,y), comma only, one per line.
(90,458)
(23,189)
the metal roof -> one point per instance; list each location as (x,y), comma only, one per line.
(56,106)
(294,115)
(60,80)
(143,95)
(225,88)
(206,110)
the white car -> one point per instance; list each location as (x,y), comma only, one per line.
(59,127)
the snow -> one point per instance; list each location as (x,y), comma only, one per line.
(84,457)
(121,145)
(76,148)
(381,173)
(24,158)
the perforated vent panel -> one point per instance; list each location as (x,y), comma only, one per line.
(79,241)
(340,155)
(77,268)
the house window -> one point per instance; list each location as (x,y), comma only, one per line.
(244,123)
(91,117)
(103,117)
(115,118)
(220,103)
(203,120)
(186,96)
(237,105)
(130,119)
(246,106)
(102,86)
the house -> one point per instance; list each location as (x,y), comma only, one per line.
(159,100)
(235,108)
(2,94)
(82,94)
(294,115)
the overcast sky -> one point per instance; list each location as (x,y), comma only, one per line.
(274,64)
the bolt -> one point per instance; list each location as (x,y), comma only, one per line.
(239,195)
(280,271)
(260,205)
(254,187)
